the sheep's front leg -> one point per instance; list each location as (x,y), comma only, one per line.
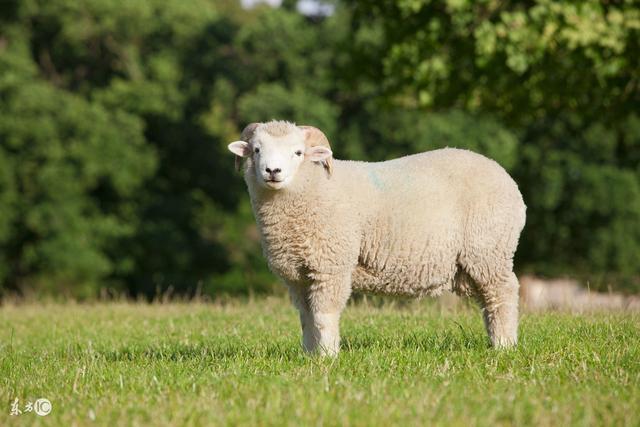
(321,332)
(320,305)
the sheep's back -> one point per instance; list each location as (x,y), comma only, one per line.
(425,204)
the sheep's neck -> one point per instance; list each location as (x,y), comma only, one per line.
(287,220)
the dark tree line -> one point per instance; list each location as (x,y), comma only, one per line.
(114,120)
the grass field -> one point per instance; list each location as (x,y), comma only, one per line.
(240,363)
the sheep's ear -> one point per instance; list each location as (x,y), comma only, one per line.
(240,149)
(318,153)
(314,137)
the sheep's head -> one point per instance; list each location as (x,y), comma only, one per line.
(277,149)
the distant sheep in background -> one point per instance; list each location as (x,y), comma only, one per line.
(539,294)
(445,219)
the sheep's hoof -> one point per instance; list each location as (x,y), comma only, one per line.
(503,342)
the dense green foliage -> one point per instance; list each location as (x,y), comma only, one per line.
(565,78)
(114,119)
(242,364)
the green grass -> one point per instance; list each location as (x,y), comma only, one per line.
(240,363)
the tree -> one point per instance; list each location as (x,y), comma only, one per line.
(70,172)
(564,77)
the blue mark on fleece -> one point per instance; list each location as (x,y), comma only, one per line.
(375,179)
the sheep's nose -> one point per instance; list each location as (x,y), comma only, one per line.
(273,171)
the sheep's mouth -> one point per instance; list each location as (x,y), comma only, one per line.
(274,184)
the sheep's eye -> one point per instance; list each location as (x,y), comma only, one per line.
(299,153)
(256,150)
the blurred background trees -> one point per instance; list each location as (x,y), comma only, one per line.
(114,120)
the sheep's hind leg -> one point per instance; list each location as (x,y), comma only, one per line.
(320,306)
(498,297)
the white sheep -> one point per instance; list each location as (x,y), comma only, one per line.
(417,225)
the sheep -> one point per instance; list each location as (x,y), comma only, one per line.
(447,219)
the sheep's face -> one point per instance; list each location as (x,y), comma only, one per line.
(276,159)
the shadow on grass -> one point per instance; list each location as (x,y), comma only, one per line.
(291,350)
(284,349)
(288,351)
(211,352)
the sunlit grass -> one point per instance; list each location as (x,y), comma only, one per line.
(241,363)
